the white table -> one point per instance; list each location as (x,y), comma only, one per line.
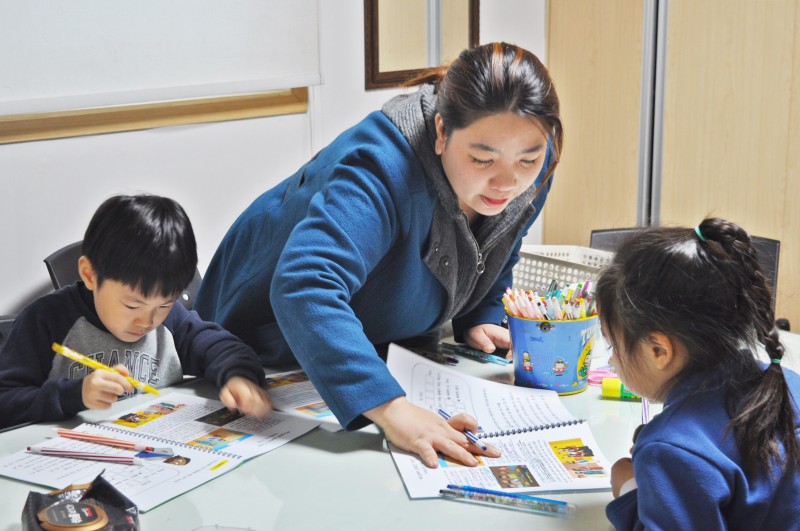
(347,480)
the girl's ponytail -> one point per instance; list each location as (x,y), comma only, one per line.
(763,414)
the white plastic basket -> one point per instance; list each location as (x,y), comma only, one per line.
(568,264)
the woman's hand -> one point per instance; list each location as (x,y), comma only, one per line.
(487,337)
(419,431)
(246,396)
(621,472)
(102,388)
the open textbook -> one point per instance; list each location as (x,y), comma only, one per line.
(294,394)
(543,446)
(205,440)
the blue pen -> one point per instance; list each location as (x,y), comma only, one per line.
(471,436)
(522,501)
(473,353)
(551,289)
(497,359)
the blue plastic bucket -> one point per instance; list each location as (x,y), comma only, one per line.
(553,354)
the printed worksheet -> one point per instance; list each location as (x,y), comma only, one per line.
(543,446)
(293,393)
(193,440)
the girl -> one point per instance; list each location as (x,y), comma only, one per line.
(684,310)
(411,218)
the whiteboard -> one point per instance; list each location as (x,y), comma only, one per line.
(59,55)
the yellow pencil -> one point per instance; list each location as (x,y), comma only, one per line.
(89,362)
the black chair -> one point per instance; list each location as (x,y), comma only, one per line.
(768,250)
(609,239)
(6,321)
(63,265)
(63,268)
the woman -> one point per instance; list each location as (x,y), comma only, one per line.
(409,219)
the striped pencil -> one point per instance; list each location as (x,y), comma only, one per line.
(99,439)
(58,452)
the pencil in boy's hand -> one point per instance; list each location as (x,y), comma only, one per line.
(89,362)
(110,458)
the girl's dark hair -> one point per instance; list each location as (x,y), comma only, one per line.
(143,241)
(492,79)
(708,291)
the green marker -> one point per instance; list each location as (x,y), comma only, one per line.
(613,388)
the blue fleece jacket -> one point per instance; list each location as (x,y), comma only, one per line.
(689,472)
(38,385)
(339,258)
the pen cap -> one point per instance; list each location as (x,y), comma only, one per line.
(613,388)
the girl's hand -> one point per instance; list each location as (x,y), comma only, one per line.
(246,396)
(621,472)
(102,388)
(419,431)
(487,337)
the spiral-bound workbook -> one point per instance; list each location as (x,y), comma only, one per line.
(543,446)
(193,440)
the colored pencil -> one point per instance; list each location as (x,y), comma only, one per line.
(99,439)
(89,362)
(109,458)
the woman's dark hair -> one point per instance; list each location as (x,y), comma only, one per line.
(492,79)
(143,241)
(705,288)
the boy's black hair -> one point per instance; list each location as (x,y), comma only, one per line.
(143,241)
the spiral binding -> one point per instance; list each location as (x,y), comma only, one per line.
(160,440)
(526,429)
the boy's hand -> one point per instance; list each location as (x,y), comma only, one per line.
(419,431)
(102,388)
(487,337)
(246,396)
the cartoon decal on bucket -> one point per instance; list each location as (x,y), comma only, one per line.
(527,366)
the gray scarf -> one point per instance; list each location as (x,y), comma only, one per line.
(466,264)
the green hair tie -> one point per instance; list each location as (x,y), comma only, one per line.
(776,361)
(699,234)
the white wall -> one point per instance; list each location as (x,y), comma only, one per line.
(96,53)
(341,99)
(49,189)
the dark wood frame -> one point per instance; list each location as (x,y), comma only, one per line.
(374,78)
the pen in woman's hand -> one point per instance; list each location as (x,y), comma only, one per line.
(471,436)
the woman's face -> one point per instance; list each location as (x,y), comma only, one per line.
(492,161)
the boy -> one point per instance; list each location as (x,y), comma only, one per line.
(139,253)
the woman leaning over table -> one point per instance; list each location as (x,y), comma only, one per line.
(409,219)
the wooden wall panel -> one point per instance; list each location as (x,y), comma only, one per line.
(730,147)
(789,272)
(595,57)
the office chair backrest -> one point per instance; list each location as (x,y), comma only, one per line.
(63,265)
(609,239)
(768,253)
(63,268)
(6,321)
(768,250)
